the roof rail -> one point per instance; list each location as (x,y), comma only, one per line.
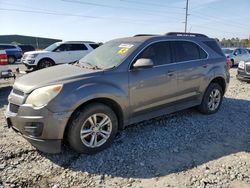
(79,41)
(141,35)
(186,34)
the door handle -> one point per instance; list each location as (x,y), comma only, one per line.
(170,72)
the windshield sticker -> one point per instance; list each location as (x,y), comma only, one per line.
(123,51)
(126,45)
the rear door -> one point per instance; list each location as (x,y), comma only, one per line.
(190,60)
(154,87)
(78,51)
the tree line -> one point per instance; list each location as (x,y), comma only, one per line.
(234,42)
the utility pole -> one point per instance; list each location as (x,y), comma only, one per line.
(186,18)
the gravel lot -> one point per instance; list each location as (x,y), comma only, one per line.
(184,149)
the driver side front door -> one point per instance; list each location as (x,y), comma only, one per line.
(151,89)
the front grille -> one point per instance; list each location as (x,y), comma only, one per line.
(13,108)
(18,92)
(248,68)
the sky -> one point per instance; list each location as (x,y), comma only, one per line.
(100,21)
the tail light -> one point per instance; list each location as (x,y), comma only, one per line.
(228,63)
(3,59)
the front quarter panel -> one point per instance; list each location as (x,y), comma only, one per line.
(112,86)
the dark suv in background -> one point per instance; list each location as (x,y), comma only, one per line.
(26,48)
(13,52)
(124,81)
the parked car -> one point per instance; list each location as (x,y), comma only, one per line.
(5,72)
(122,82)
(26,48)
(58,53)
(236,54)
(243,72)
(13,52)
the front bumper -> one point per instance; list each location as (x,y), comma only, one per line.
(242,75)
(29,63)
(41,127)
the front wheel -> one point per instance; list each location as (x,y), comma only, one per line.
(212,99)
(45,63)
(92,129)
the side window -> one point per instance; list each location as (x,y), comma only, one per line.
(237,52)
(76,47)
(94,46)
(159,52)
(64,47)
(186,51)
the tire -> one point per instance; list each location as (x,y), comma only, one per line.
(212,96)
(44,63)
(11,59)
(81,133)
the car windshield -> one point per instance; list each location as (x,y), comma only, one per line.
(227,51)
(109,55)
(52,47)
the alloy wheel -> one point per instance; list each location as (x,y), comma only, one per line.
(214,100)
(96,130)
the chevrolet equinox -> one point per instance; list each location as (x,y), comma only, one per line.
(122,82)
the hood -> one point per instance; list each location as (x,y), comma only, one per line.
(36,52)
(54,75)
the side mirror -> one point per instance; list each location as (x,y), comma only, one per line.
(143,63)
(235,53)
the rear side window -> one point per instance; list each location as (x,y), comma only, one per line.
(94,46)
(187,51)
(76,47)
(159,52)
(214,46)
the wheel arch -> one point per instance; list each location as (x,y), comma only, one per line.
(45,58)
(102,100)
(221,81)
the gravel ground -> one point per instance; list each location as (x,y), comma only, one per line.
(184,149)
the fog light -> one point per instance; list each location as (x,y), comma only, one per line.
(34,128)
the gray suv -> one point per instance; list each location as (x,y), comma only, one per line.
(120,83)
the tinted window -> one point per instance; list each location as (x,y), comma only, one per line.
(94,46)
(159,52)
(79,47)
(64,47)
(186,51)
(214,46)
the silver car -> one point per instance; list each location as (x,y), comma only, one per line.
(120,83)
(236,54)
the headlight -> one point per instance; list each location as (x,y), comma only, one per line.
(241,65)
(40,97)
(32,56)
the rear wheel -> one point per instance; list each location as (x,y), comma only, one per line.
(212,99)
(92,129)
(11,59)
(44,63)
